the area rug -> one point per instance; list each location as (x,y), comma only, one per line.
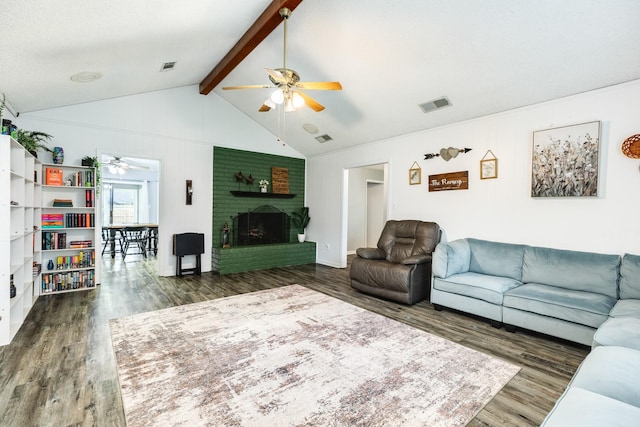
(291,356)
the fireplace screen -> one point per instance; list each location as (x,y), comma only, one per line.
(264,225)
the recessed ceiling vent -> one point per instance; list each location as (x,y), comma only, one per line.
(323,138)
(435,104)
(167,66)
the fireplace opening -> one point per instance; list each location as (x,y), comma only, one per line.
(261,226)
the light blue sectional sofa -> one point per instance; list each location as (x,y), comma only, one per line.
(605,390)
(567,294)
(589,298)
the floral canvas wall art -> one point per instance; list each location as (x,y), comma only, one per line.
(565,161)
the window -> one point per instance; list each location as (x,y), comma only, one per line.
(121,203)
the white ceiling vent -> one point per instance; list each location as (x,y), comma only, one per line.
(435,104)
(167,66)
(323,138)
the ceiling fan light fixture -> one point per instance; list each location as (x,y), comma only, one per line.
(269,103)
(120,171)
(113,169)
(277,96)
(297,100)
(288,106)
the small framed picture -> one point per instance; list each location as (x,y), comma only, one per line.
(489,168)
(415,175)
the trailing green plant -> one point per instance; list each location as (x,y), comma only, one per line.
(33,141)
(94,163)
(301,218)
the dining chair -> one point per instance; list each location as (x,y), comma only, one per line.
(136,238)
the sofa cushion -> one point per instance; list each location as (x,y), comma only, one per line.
(626,308)
(580,271)
(630,277)
(585,308)
(613,372)
(496,259)
(618,331)
(451,258)
(478,286)
(579,407)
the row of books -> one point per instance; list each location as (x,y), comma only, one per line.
(80,244)
(68,220)
(52,240)
(53,176)
(52,220)
(54,282)
(82,259)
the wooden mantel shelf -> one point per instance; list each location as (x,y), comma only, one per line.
(259,194)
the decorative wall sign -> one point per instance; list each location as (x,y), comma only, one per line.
(447,153)
(565,161)
(415,174)
(280,180)
(449,181)
(489,166)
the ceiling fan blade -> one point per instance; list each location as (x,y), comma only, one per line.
(310,102)
(276,75)
(248,87)
(319,85)
(264,108)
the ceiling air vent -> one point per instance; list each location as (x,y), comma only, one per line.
(167,66)
(435,104)
(323,138)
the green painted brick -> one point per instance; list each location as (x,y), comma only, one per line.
(249,258)
(226,163)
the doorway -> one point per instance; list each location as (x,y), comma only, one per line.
(366,206)
(130,190)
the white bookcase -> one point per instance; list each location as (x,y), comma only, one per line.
(20,255)
(69,235)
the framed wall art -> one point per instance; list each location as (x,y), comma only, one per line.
(565,161)
(415,174)
(489,166)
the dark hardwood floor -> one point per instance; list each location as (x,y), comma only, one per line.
(60,369)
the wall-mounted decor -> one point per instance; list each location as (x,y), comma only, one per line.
(189,192)
(415,174)
(447,153)
(631,147)
(489,166)
(565,161)
(449,181)
(280,180)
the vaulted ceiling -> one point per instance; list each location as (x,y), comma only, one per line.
(485,56)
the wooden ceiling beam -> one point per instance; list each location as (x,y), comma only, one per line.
(264,25)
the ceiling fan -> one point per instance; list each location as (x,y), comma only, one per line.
(117,165)
(287,83)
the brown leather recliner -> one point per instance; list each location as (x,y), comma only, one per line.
(399,268)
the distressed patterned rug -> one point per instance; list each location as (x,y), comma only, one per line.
(292,356)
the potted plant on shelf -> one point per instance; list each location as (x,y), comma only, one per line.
(93,162)
(32,141)
(301,219)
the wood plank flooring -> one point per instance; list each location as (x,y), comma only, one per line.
(60,369)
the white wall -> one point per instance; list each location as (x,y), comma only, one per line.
(179,127)
(496,209)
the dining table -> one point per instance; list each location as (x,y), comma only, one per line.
(115,229)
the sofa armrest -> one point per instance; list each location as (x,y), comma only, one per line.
(451,258)
(370,253)
(417,259)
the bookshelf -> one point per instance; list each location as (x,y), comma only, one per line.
(20,193)
(68,234)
